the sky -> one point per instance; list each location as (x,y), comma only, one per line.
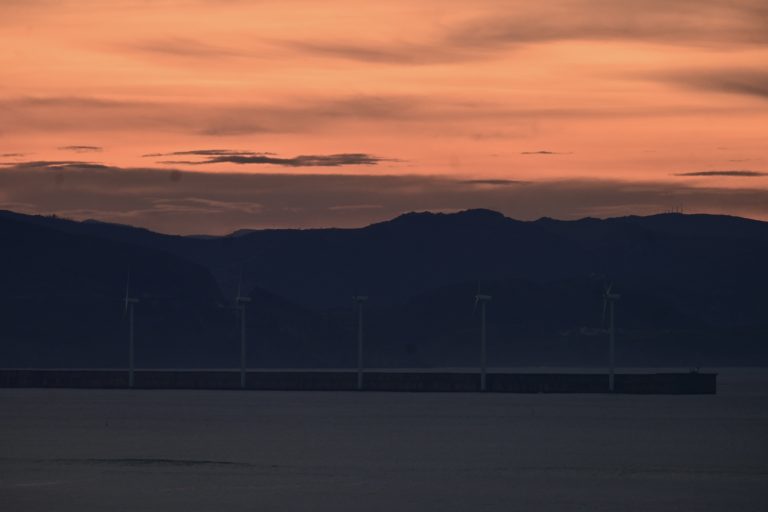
(207,116)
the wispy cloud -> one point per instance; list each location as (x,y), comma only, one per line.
(393,52)
(298,115)
(82,149)
(543,152)
(217,156)
(745,82)
(351,207)
(77,114)
(336,160)
(55,165)
(199,204)
(494,182)
(208,152)
(491,28)
(186,47)
(734,173)
(683,22)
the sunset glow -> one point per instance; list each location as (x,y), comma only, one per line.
(565,108)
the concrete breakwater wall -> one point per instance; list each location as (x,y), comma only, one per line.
(638,383)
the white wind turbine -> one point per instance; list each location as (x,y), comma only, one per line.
(240,303)
(483,301)
(609,301)
(128,310)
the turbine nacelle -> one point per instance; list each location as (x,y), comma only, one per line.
(608,293)
(480,298)
(240,299)
(130,300)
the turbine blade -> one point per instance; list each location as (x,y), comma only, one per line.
(477,296)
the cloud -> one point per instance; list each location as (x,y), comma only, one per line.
(741,174)
(336,160)
(47,165)
(303,115)
(82,149)
(207,152)
(199,204)
(489,28)
(347,207)
(543,152)
(218,203)
(302,160)
(289,115)
(682,22)
(494,182)
(745,82)
(217,156)
(186,47)
(393,52)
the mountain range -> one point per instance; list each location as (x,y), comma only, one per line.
(693,292)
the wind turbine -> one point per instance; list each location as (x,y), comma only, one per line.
(241,302)
(609,301)
(359,300)
(128,310)
(482,300)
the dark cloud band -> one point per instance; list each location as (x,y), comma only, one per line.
(176,201)
(82,149)
(218,156)
(739,174)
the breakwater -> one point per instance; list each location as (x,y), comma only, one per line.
(379,380)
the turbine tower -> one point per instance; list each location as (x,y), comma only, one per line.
(482,300)
(128,310)
(609,301)
(359,300)
(240,303)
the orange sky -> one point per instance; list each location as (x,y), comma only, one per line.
(628,91)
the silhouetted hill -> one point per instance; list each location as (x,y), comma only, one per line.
(693,291)
(62,293)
